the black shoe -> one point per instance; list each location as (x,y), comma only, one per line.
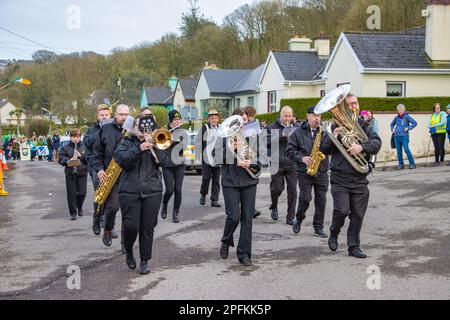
(175,217)
(412,167)
(73,217)
(144,268)
(107,238)
(80,212)
(164,211)
(202,200)
(257,214)
(114,234)
(274,214)
(400,167)
(297,225)
(357,253)
(131,263)
(320,234)
(216,204)
(436,164)
(96,226)
(245,262)
(224,248)
(333,243)
(289,222)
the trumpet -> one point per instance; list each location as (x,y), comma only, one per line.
(162,138)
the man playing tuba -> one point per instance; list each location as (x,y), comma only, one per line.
(349,186)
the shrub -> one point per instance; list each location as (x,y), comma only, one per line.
(40,126)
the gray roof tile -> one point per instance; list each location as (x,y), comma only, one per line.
(188,87)
(159,95)
(223,81)
(300,66)
(251,82)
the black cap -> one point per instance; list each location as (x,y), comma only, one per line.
(173,115)
(311,109)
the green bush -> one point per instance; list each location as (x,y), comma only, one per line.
(415,104)
(162,115)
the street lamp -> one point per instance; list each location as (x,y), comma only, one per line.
(50,114)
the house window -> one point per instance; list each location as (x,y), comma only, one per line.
(251,101)
(238,102)
(395,89)
(272,101)
(322,93)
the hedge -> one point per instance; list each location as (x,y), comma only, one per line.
(417,104)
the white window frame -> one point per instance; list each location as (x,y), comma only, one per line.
(402,83)
(272,102)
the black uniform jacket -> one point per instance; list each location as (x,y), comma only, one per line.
(285,162)
(141,175)
(300,145)
(89,140)
(179,137)
(339,163)
(66,153)
(109,136)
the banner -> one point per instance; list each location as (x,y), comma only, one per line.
(25,153)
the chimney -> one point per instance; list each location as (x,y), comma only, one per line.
(300,44)
(322,45)
(437,43)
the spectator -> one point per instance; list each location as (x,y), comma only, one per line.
(15,149)
(33,149)
(448,125)
(50,148)
(7,148)
(368,117)
(400,126)
(56,145)
(263,124)
(437,126)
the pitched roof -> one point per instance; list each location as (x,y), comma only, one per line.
(223,81)
(159,95)
(403,50)
(251,81)
(188,87)
(300,66)
(3,102)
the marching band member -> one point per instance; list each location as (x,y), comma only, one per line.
(299,150)
(72,157)
(287,167)
(349,187)
(103,114)
(239,192)
(106,143)
(174,172)
(210,171)
(140,193)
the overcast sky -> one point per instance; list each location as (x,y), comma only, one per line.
(100,25)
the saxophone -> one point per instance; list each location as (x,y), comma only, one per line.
(101,194)
(316,156)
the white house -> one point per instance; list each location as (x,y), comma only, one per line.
(412,63)
(6,108)
(184,98)
(296,73)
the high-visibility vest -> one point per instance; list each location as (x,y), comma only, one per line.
(436,119)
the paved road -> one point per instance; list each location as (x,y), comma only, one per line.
(406,234)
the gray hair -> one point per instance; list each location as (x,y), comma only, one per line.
(401,107)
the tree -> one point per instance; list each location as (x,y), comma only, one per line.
(44,56)
(17,113)
(193,21)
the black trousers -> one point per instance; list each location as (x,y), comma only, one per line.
(277,188)
(306,184)
(350,199)
(439,146)
(76,187)
(239,207)
(95,183)
(173,180)
(139,216)
(210,173)
(111,207)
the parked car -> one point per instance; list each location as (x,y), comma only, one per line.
(190,154)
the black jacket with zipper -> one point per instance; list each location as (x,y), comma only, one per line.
(66,153)
(285,162)
(300,145)
(176,160)
(109,136)
(141,175)
(339,163)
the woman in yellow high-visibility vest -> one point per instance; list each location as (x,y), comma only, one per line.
(437,126)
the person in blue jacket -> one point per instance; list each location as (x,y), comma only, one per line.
(402,124)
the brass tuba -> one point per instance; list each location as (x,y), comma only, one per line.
(352,133)
(232,128)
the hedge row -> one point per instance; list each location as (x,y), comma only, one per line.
(418,104)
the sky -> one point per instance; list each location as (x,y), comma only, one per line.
(101,25)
